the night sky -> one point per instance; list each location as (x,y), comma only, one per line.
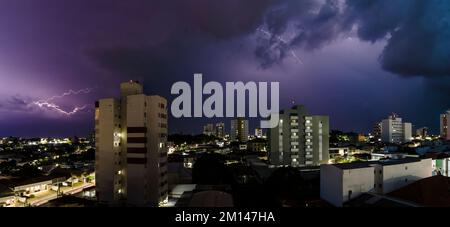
(354,60)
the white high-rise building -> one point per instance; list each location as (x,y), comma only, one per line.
(393,130)
(445,125)
(299,139)
(131,152)
(239,130)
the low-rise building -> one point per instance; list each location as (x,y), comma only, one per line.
(340,183)
(7,197)
(338,152)
(440,163)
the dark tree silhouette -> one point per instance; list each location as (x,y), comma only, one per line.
(285,187)
(210,169)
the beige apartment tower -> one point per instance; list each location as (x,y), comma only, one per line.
(131,153)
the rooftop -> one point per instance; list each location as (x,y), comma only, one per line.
(432,192)
(18,181)
(353,165)
(387,162)
(375,200)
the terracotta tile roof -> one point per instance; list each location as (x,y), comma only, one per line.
(432,192)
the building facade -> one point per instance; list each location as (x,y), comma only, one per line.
(209,130)
(131,152)
(422,132)
(299,139)
(445,125)
(376,131)
(258,133)
(220,130)
(393,130)
(239,130)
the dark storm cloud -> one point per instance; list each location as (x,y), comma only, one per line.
(313,23)
(19,103)
(128,60)
(50,46)
(224,19)
(417,32)
(187,27)
(16,103)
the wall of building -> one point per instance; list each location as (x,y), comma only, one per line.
(331,188)
(321,138)
(407,132)
(106,160)
(357,182)
(337,185)
(393,177)
(131,156)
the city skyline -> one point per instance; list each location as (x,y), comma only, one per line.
(57,58)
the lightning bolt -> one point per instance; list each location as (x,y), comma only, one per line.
(280,39)
(47,103)
(67,93)
(59,109)
(296,57)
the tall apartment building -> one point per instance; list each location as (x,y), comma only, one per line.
(239,130)
(209,130)
(258,133)
(393,130)
(220,130)
(445,125)
(376,130)
(131,152)
(299,139)
(422,132)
